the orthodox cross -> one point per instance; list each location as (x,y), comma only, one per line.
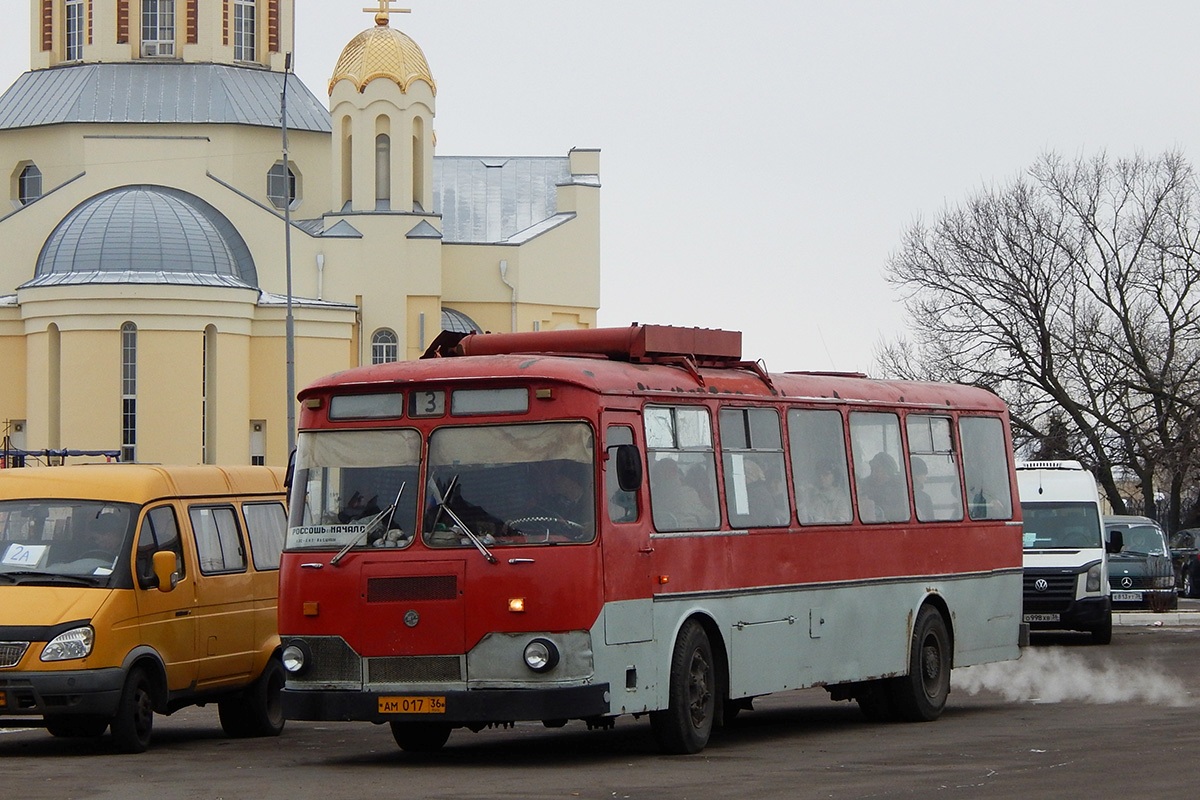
(385,8)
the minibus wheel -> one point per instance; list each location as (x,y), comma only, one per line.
(259,710)
(134,722)
(685,725)
(420,737)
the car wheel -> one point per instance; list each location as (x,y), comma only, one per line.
(1191,583)
(134,722)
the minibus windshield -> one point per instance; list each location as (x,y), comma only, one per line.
(77,538)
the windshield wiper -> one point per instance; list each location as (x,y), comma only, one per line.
(390,511)
(31,577)
(444,505)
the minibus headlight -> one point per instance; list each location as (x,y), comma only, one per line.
(541,655)
(295,658)
(1093,578)
(75,643)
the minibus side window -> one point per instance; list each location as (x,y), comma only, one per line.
(266,525)
(218,541)
(160,531)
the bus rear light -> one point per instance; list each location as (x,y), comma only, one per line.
(541,655)
(311,608)
(664,579)
(516,605)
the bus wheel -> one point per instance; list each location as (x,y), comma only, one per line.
(420,737)
(921,695)
(685,725)
(134,722)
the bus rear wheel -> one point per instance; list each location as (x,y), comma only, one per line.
(921,695)
(420,737)
(687,722)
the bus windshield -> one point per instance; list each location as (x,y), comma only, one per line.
(1061,525)
(355,488)
(510,484)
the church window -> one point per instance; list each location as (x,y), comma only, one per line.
(29,184)
(76,30)
(282,186)
(385,347)
(383,172)
(128,392)
(158,28)
(244,30)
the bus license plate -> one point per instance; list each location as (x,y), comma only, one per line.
(1127,597)
(3,700)
(1041,618)
(412,705)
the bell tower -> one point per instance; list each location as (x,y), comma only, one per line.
(235,32)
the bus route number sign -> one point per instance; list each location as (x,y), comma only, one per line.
(412,705)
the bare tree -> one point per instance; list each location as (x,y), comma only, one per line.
(1073,293)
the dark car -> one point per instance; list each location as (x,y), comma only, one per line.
(1140,576)
(1185,557)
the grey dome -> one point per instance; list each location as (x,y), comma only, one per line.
(458,322)
(145,234)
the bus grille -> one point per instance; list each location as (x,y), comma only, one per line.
(414,669)
(1058,594)
(332,661)
(11,653)
(414,587)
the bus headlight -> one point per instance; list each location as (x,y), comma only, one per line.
(541,655)
(1093,578)
(295,658)
(68,645)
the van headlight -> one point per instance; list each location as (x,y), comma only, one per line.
(68,645)
(1093,578)
(541,655)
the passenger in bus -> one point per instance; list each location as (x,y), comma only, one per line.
(924,503)
(358,507)
(676,506)
(827,500)
(883,489)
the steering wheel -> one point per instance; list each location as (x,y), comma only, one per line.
(548,524)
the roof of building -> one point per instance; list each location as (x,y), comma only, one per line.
(150,92)
(145,234)
(493,200)
(382,52)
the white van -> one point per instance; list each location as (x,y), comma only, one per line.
(1066,555)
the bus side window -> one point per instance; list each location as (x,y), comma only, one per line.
(937,491)
(622,505)
(683,468)
(752,452)
(817,443)
(986,467)
(881,484)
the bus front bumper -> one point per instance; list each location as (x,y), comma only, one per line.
(454,707)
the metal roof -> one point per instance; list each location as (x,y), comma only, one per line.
(491,200)
(142,92)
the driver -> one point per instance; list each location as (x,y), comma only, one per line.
(103,538)
(568,497)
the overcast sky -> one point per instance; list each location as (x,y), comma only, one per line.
(761,159)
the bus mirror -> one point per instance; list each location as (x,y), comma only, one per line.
(629,467)
(1116,542)
(164,570)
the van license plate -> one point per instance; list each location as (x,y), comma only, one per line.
(3,700)
(412,705)
(1127,597)
(1041,618)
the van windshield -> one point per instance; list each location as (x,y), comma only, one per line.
(41,539)
(1061,525)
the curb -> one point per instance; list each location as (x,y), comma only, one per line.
(1157,619)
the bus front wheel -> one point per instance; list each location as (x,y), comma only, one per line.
(420,737)
(921,695)
(685,725)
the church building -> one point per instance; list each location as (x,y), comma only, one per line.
(161,215)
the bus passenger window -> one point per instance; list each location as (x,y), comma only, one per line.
(752,453)
(879,467)
(937,491)
(622,505)
(986,467)
(817,442)
(683,468)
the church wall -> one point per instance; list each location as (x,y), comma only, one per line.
(13,370)
(169,395)
(90,396)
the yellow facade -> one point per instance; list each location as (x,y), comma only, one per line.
(193,260)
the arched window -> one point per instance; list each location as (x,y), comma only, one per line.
(418,157)
(385,347)
(282,186)
(347,164)
(128,392)
(208,398)
(383,172)
(29,184)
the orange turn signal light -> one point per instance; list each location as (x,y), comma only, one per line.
(516,604)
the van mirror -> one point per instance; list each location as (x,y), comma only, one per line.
(164,570)
(1115,543)
(629,467)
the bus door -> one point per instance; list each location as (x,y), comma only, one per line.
(629,579)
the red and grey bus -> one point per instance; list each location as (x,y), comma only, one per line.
(584,524)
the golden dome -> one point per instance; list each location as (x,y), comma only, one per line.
(382,52)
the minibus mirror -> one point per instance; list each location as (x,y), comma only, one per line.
(629,467)
(164,570)
(1116,542)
